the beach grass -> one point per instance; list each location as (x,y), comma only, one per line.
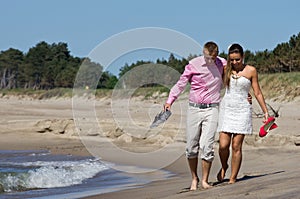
(280,86)
(277,86)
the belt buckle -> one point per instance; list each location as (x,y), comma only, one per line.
(203,106)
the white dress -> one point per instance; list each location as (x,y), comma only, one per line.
(235,114)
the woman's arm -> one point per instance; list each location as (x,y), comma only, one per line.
(257,92)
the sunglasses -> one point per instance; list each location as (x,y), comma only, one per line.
(237,60)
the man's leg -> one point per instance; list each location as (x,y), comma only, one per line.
(192,143)
(207,138)
(193,164)
(206,165)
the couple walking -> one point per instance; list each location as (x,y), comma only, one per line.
(207,113)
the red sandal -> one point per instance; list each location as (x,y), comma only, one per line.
(269,125)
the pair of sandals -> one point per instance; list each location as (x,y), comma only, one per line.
(269,125)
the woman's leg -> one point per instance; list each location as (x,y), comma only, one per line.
(224,143)
(237,142)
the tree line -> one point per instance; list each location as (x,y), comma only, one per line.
(48,66)
(44,66)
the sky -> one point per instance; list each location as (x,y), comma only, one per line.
(257,24)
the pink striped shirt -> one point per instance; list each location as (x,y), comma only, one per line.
(205,80)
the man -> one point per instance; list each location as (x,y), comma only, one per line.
(204,73)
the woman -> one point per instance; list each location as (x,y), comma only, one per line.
(235,119)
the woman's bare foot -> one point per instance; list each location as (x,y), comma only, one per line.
(221,174)
(194,185)
(232,181)
(205,185)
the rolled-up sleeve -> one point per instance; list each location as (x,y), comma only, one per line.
(177,89)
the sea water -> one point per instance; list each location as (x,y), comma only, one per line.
(40,174)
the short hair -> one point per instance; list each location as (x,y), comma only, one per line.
(211,47)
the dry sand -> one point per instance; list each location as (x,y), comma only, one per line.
(270,167)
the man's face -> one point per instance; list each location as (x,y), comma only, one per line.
(210,58)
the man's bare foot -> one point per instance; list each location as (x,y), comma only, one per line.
(194,185)
(205,185)
(221,174)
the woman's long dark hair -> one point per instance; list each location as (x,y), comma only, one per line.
(234,48)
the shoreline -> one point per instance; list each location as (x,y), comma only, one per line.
(269,167)
(253,169)
(253,172)
(249,185)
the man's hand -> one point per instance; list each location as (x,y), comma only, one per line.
(249,98)
(167,107)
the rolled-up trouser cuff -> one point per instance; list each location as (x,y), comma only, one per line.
(191,155)
(208,158)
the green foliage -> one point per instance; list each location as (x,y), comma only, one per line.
(285,57)
(48,66)
(10,64)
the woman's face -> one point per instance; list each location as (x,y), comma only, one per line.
(235,59)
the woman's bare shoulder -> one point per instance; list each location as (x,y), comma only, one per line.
(250,68)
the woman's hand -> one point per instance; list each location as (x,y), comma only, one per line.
(266,116)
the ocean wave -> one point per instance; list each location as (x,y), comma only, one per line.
(43,174)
